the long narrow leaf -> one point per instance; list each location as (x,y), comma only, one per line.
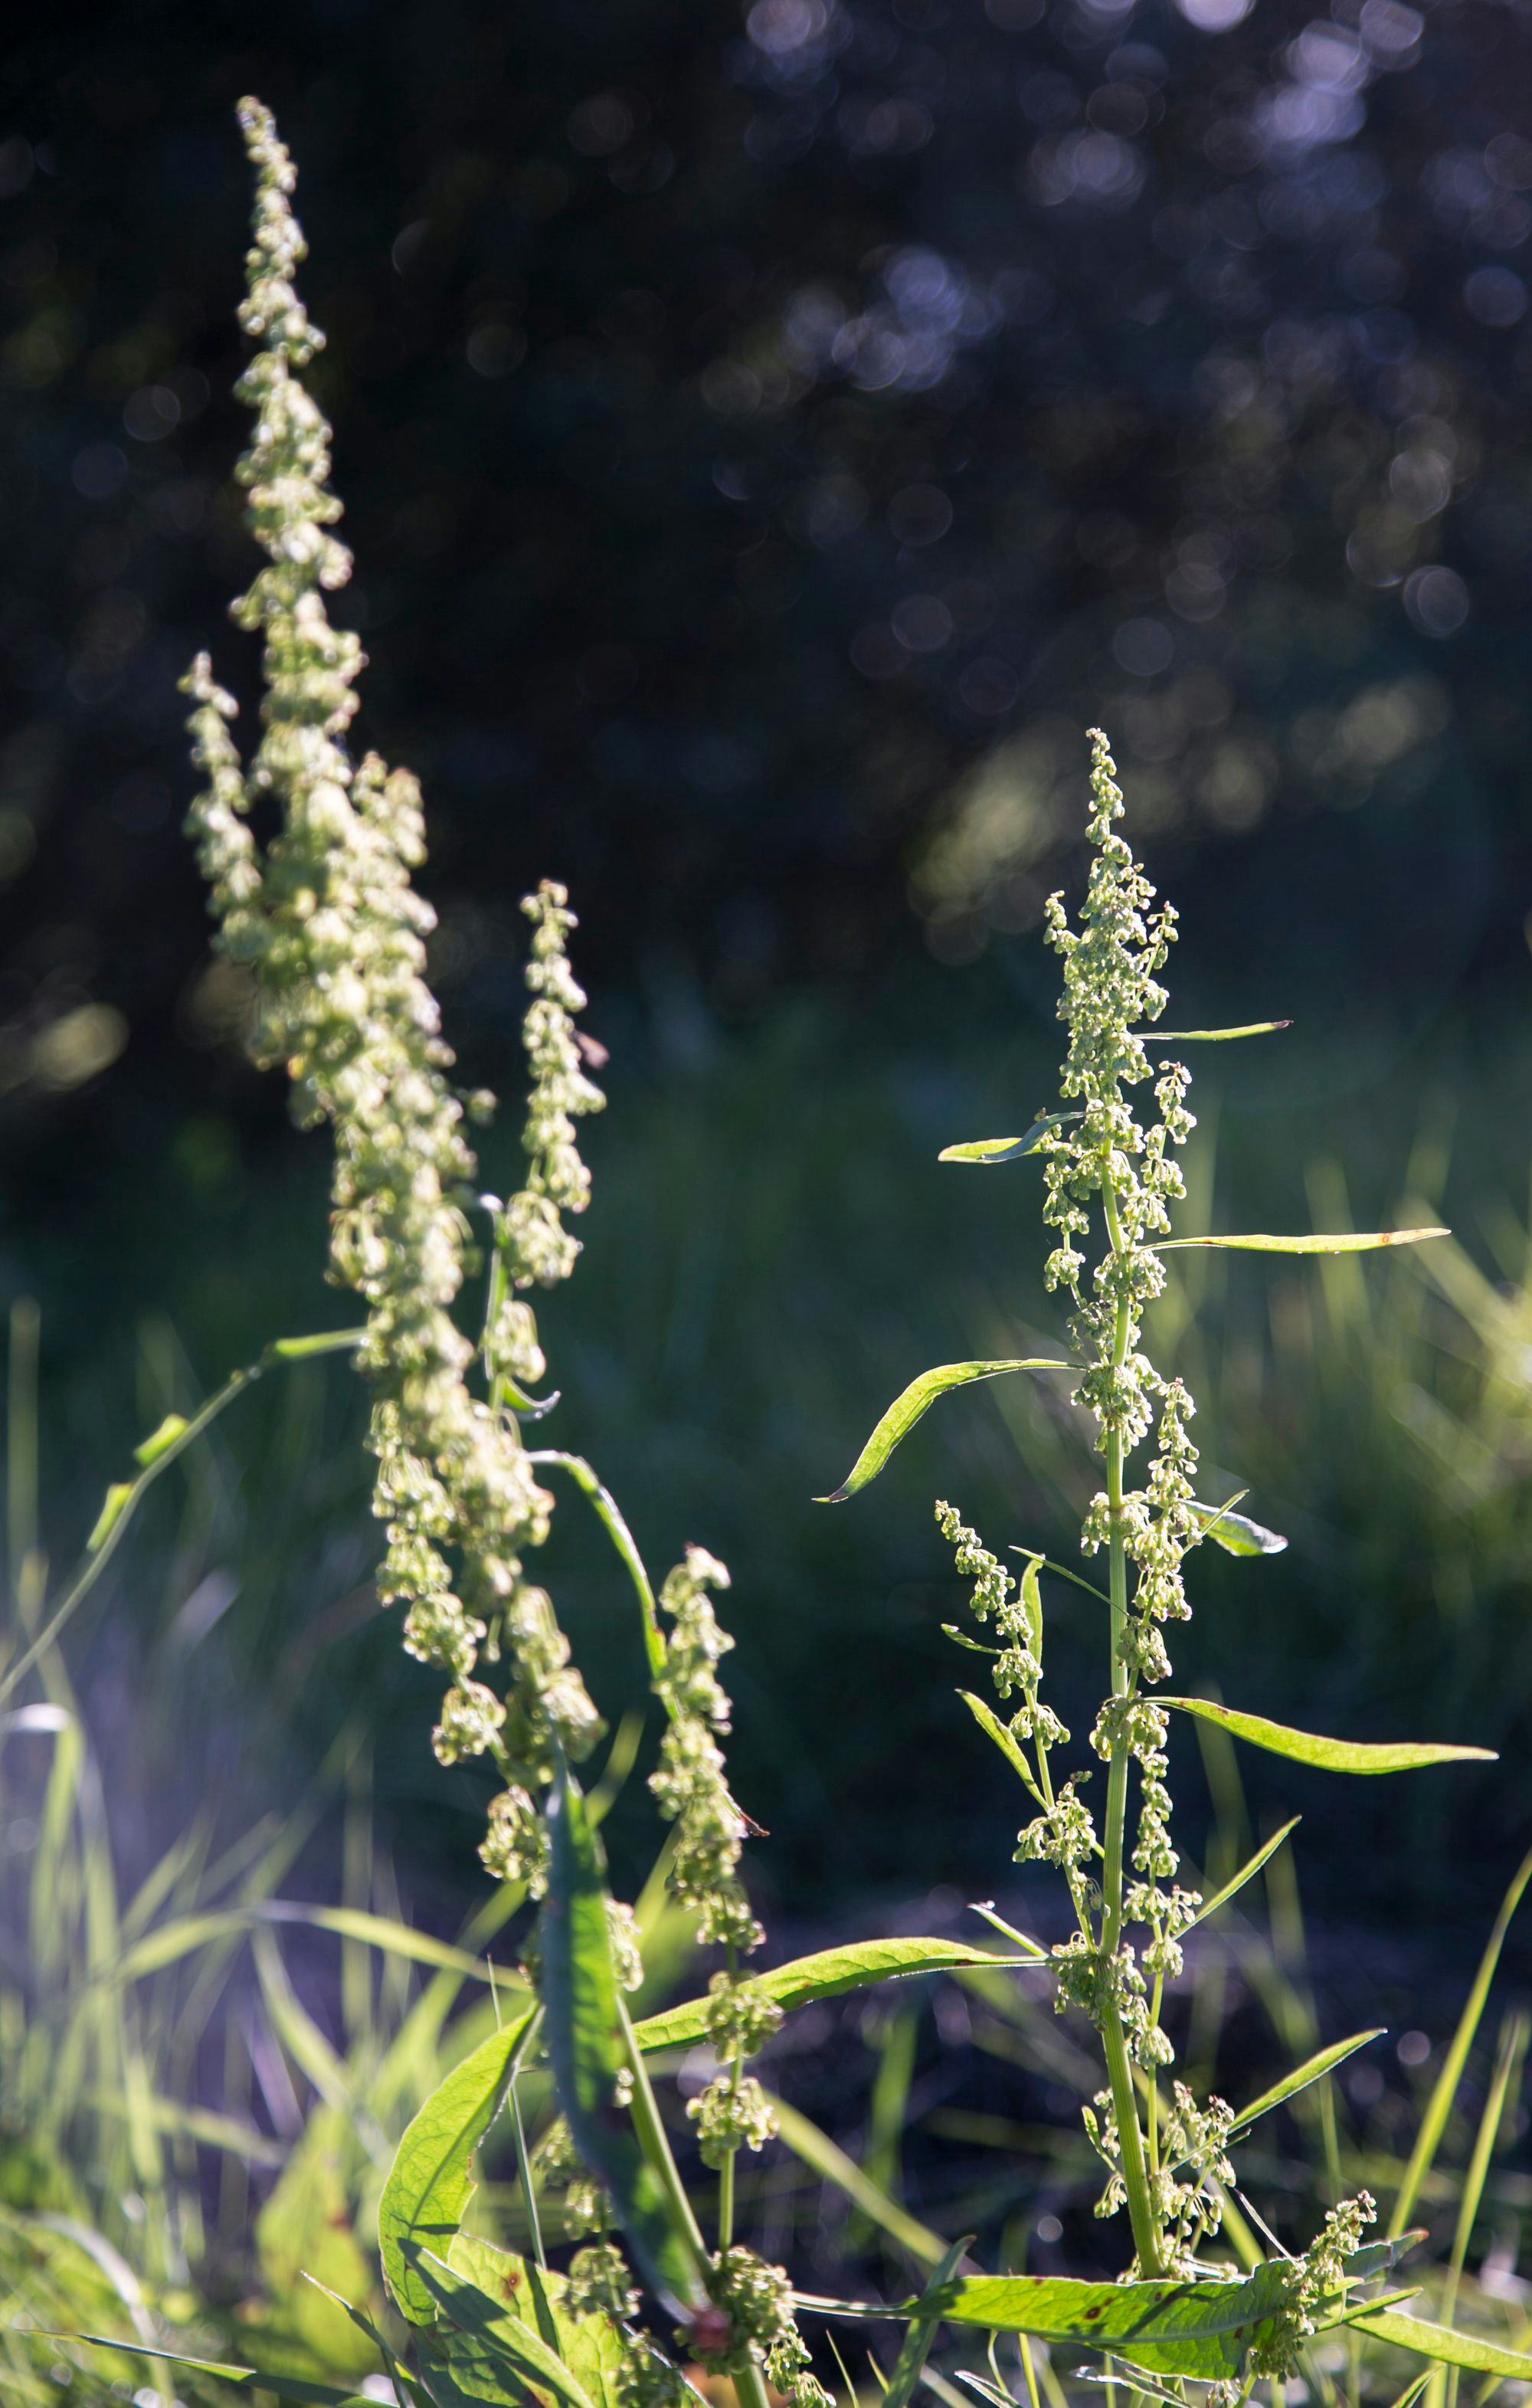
(1010,1748)
(1349,1241)
(1434,2122)
(908,1407)
(1246,1873)
(1008,1149)
(1447,2349)
(1210,1035)
(827,1974)
(251,2378)
(1313,2069)
(1330,1755)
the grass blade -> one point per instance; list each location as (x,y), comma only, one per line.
(820,2154)
(1439,2106)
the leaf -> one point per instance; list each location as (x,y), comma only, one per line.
(824,1975)
(1210,1035)
(119,1497)
(1330,1755)
(920,2333)
(431,2179)
(907,1409)
(1201,2328)
(1008,1149)
(1313,2070)
(1449,2349)
(1246,1873)
(1234,1532)
(252,2378)
(491,2354)
(1008,1745)
(149,1450)
(587,2050)
(984,1906)
(590,2347)
(1351,1241)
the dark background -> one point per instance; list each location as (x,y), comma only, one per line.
(768,441)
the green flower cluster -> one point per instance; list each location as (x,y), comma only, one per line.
(330,925)
(691,1786)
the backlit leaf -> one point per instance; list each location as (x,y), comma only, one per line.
(431,2179)
(1330,1755)
(1472,2350)
(824,1975)
(1200,2328)
(907,1409)
(1351,1241)
(1314,2069)
(1235,1533)
(1008,1149)
(1210,1035)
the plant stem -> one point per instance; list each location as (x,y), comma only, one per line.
(1146,2234)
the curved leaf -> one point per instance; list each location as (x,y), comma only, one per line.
(1246,1873)
(1351,1242)
(1330,1755)
(907,1409)
(1314,2069)
(1210,1035)
(587,2048)
(1471,2350)
(993,1727)
(431,2179)
(1235,1533)
(824,1975)
(1008,1149)
(1202,2328)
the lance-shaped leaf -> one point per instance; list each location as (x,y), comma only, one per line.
(1010,1746)
(1210,1035)
(1200,2329)
(1471,2350)
(824,1975)
(1247,1872)
(1314,2069)
(1235,1533)
(1350,1241)
(907,1409)
(1328,1755)
(431,2179)
(587,2048)
(490,2354)
(1008,1149)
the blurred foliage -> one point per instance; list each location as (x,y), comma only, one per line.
(771,434)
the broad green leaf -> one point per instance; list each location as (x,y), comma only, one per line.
(1434,2121)
(1210,1035)
(920,2333)
(1330,1755)
(490,2353)
(1008,1149)
(590,2347)
(1235,1533)
(907,1409)
(1202,2328)
(251,2378)
(1351,1241)
(587,2048)
(824,1975)
(1449,2348)
(1313,2069)
(1010,1748)
(431,2179)
(1246,1873)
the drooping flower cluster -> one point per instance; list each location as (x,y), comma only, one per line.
(335,934)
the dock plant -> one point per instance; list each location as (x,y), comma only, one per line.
(311,852)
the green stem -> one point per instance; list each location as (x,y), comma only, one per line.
(655,2144)
(1146,2235)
